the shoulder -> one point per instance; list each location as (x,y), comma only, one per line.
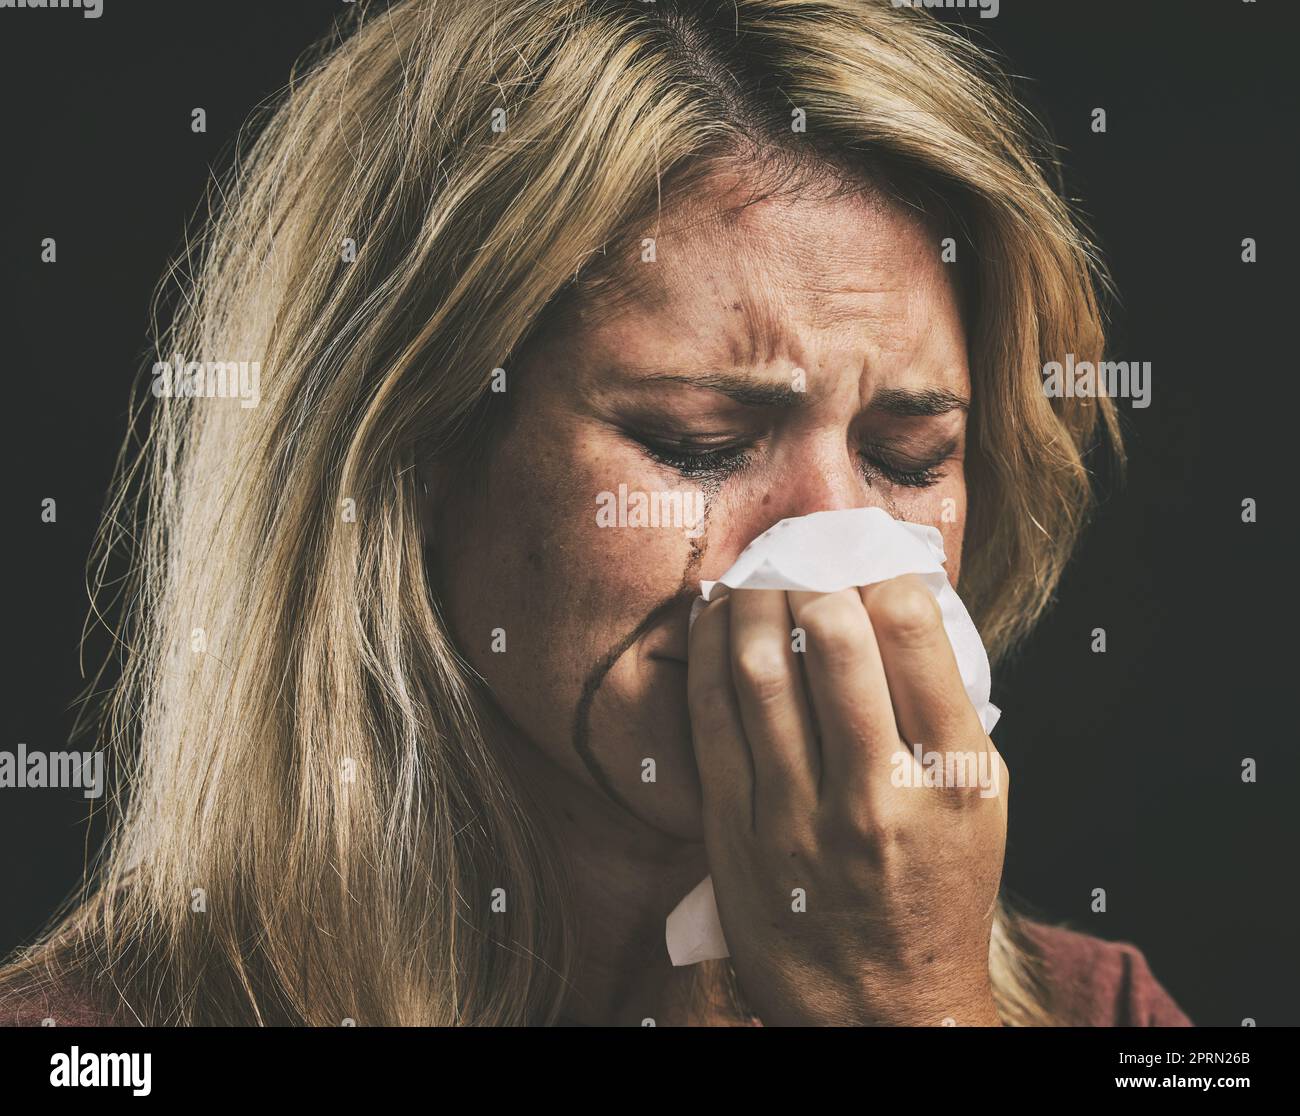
(45,1003)
(1096,983)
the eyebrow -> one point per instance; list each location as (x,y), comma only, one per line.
(926,403)
(900,402)
(742,389)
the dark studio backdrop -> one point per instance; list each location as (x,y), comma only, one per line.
(1127,765)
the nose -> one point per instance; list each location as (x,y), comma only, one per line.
(807,479)
(813,482)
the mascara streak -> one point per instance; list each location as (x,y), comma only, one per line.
(686,589)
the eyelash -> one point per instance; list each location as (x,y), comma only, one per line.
(925,477)
(726,461)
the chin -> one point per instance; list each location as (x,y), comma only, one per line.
(655,730)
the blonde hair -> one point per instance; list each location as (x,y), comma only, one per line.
(302,747)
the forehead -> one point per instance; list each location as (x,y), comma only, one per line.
(798,278)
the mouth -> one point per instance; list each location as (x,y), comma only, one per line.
(669,640)
(667,659)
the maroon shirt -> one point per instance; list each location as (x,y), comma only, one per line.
(1094,983)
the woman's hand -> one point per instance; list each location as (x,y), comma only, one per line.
(808,784)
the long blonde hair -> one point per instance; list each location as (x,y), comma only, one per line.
(313,818)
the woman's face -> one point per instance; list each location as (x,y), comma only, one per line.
(793,356)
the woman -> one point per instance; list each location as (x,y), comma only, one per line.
(410,735)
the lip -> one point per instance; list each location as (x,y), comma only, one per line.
(668,659)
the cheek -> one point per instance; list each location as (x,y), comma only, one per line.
(532,559)
(569,523)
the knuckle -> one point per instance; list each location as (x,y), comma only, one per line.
(868,831)
(832,627)
(761,671)
(904,610)
(962,797)
(970,778)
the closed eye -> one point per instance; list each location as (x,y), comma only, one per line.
(694,460)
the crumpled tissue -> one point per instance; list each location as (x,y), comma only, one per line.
(824,553)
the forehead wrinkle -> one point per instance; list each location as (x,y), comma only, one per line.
(805,299)
(746,315)
(610,284)
(765,326)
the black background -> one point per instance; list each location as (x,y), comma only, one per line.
(1126,766)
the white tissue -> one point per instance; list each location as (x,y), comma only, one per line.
(824,553)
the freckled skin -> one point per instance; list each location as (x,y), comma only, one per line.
(859,300)
(852,291)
